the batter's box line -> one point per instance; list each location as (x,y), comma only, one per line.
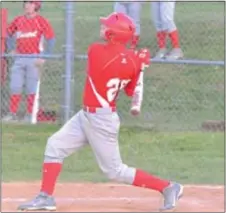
(123,185)
(84,199)
(128,200)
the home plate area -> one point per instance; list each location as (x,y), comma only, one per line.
(89,197)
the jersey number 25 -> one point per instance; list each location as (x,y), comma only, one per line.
(114,85)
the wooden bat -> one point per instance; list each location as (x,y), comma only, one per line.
(36,104)
(35,108)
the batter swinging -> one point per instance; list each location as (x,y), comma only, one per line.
(97,124)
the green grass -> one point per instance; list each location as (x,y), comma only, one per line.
(177,97)
(187,157)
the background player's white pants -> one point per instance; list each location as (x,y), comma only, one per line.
(24,67)
(163,15)
(100,131)
(132,9)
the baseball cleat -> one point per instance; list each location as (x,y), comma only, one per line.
(175,54)
(41,202)
(161,53)
(171,195)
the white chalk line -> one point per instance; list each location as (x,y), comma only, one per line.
(111,185)
(210,187)
(101,199)
(84,199)
(128,200)
(204,186)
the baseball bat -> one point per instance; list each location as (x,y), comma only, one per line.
(36,104)
(35,108)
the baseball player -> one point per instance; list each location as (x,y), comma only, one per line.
(132,9)
(27,31)
(110,68)
(163,17)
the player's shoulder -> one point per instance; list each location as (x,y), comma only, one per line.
(130,52)
(132,55)
(95,46)
(18,18)
(42,18)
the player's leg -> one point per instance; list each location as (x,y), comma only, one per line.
(134,10)
(102,132)
(161,33)
(32,77)
(167,14)
(60,145)
(16,86)
(119,7)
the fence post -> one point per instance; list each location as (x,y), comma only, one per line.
(69,61)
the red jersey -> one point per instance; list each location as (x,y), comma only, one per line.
(110,68)
(29,33)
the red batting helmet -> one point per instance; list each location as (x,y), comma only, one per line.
(120,27)
(37,4)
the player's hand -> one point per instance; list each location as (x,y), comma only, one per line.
(135,111)
(39,62)
(144,56)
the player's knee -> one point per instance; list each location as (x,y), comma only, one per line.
(123,174)
(158,25)
(31,90)
(137,29)
(169,25)
(56,147)
(15,88)
(52,148)
(31,86)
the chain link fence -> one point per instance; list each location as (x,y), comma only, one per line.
(176,96)
(22,71)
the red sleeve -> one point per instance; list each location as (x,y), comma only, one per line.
(91,48)
(93,55)
(135,66)
(48,30)
(142,61)
(89,54)
(94,47)
(12,28)
(129,89)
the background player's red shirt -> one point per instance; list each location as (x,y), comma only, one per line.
(109,69)
(29,32)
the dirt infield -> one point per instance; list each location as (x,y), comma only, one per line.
(88,197)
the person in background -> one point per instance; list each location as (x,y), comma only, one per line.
(27,32)
(163,18)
